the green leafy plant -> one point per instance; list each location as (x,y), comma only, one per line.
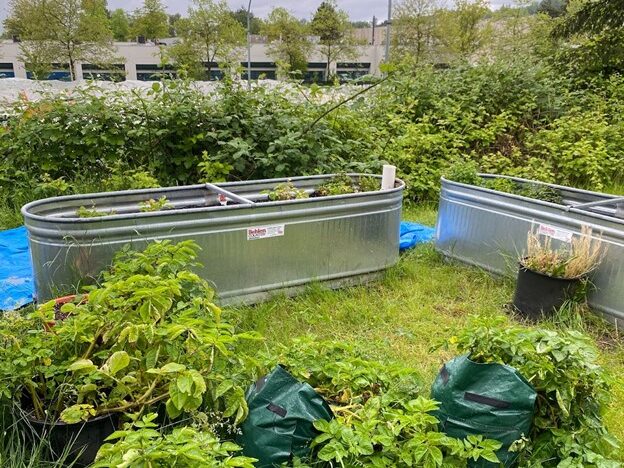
(92,212)
(154,205)
(540,192)
(140,443)
(124,178)
(286,191)
(465,172)
(369,184)
(342,184)
(573,389)
(501,185)
(213,170)
(149,334)
(380,418)
(339,184)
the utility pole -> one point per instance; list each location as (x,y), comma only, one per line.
(374,25)
(388,31)
(249,45)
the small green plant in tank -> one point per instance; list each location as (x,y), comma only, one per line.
(501,185)
(340,184)
(369,184)
(92,212)
(286,191)
(540,192)
(154,205)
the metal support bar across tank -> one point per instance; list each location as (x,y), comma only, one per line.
(229,194)
(608,201)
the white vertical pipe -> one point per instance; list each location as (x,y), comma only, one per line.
(388,177)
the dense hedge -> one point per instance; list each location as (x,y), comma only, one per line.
(518,119)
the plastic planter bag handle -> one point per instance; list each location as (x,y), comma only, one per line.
(492,400)
(282,411)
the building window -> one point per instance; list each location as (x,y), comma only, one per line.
(113,72)
(6,70)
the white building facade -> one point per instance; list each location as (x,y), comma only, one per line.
(144,62)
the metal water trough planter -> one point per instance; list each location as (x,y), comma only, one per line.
(248,251)
(488,228)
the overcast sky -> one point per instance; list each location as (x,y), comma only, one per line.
(357,9)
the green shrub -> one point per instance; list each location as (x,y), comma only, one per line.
(584,149)
(573,390)
(518,118)
(149,335)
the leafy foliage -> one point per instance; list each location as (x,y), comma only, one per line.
(286,191)
(466,173)
(148,334)
(380,418)
(209,34)
(154,205)
(141,444)
(573,389)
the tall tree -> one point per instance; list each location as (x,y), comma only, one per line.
(335,32)
(288,39)
(209,34)
(413,26)
(553,8)
(255,23)
(172,20)
(462,31)
(64,31)
(595,29)
(151,21)
(593,17)
(120,24)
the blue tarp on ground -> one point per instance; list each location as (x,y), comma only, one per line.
(16,277)
(413,234)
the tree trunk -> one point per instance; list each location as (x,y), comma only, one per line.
(70,57)
(328,63)
(209,61)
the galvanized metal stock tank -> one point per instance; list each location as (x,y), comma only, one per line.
(488,228)
(249,249)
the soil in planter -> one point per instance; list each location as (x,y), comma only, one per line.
(80,441)
(538,295)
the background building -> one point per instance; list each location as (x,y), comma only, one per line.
(144,61)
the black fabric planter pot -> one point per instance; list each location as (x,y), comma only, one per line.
(81,440)
(538,295)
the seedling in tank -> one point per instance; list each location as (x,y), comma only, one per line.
(154,205)
(286,191)
(92,212)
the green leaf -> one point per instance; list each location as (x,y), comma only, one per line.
(118,361)
(76,413)
(185,383)
(170,368)
(82,365)
(223,388)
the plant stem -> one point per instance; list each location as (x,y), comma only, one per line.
(344,101)
(126,407)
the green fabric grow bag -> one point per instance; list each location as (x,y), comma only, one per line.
(492,400)
(282,411)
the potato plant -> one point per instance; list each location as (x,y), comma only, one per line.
(573,389)
(149,334)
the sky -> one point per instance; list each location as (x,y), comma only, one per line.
(357,9)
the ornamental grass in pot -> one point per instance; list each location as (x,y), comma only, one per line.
(548,276)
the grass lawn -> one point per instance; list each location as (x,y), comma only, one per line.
(418,303)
